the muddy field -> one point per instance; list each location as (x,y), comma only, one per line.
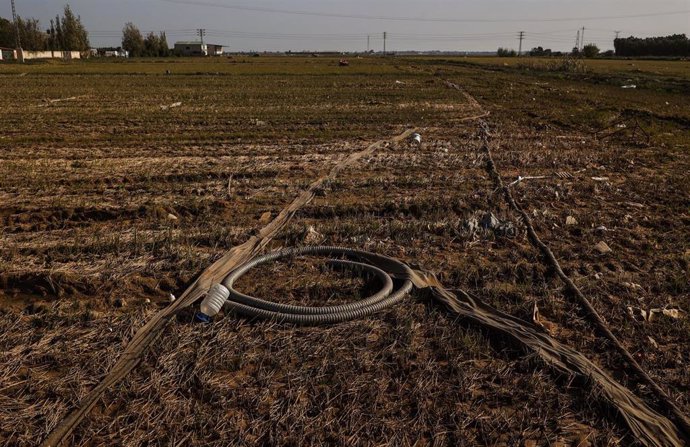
(121,182)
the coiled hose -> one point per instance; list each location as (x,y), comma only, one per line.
(305,315)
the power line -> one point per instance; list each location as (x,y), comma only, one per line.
(553,37)
(550,35)
(414,19)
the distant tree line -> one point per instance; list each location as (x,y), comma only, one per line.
(675,45)
(541,52)
(139,46)
(505,52)
(589,51)
(66,33)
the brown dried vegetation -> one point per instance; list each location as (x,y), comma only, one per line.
(87,188)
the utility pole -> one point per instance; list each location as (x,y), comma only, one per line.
(617,33)
(385,36)
(577,41)
(201,32)
(582,39)
(20,53)
(522,36)
(368,39)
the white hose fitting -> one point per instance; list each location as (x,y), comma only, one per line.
(215,298)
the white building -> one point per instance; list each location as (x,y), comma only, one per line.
(116,53)
(197,49)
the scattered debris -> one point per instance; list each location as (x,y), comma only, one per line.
(570,220)
(600,179)
(53,101)
(172,298)
(257,122)
(172,217)
(520,179)
(312,236)
(539,320)
(147,301)
(564,175)
(471,225)
(632,286)
(630,129)
(639,314)
(598,275)
(603,248)
(629,86)
(416,139)
(674,313)
(491,222)
(400,83)
(601,229)
(344,63)
(48,102)
(171,106)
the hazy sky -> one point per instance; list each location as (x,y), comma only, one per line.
(464,25)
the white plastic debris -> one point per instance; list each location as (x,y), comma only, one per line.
(172,298)
(629,86)
(416,138)
(171,106)
(602,247)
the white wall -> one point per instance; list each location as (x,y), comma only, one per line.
(51,55)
